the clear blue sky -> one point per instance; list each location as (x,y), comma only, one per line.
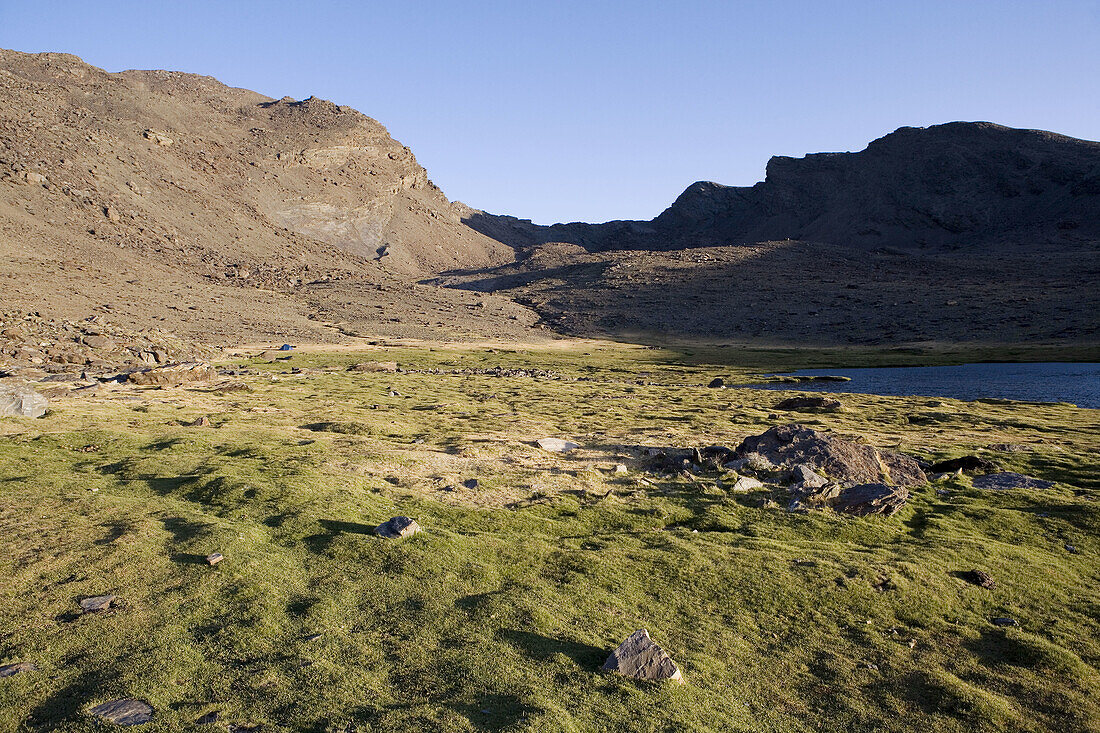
(564,110)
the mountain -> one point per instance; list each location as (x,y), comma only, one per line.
(143,205)
(170,200)
(957,184)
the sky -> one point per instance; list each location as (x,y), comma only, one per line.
(589,111)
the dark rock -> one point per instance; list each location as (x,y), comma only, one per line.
(214,558)
(397,527)
(979,577)
(835,457)
(808,403)
(717,382)
(1008,480)
(470,483)
(864,499)
(1005,621)
(640,657)
(966,464)
(128,711)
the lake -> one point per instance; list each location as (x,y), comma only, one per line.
(1077,383)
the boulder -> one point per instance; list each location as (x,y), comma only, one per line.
(397,527)
(556,445)
(745,483)
(640,657)
(176,375)
(1008,480)
(835,457)
(864,499)
(808,403)
(21,402)
(127,711)
(716,383)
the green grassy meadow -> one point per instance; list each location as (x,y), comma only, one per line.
(498,616)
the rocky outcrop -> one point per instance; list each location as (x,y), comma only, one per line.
(839,459)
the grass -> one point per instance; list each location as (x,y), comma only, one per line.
(499,615)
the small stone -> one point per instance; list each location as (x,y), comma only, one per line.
(1072,549)
(717,382)
(556,445)
(746,483)
(641,658)
(214,558)
(127,711)
(470,483)
(1005,621)
(95,604)
(158,137)
(805,476)
(202,422)
(397,527)
(620,468)
(208,719)
(9,670)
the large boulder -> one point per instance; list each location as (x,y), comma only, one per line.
(640,657)
(21,402)
(837,458)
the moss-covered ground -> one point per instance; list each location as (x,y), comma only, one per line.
(500,613)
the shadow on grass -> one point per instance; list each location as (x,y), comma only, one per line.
(188,558)
(541,647)
(319,543)
(493,711)
(69,702)
(182,530)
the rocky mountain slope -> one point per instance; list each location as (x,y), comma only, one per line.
(169,200)
(958,184)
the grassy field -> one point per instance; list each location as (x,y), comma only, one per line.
(500,613)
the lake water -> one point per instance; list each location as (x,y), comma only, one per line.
(1044,382)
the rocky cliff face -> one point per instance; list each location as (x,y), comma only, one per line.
(956,184)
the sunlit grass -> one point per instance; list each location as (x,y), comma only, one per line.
(499,615)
